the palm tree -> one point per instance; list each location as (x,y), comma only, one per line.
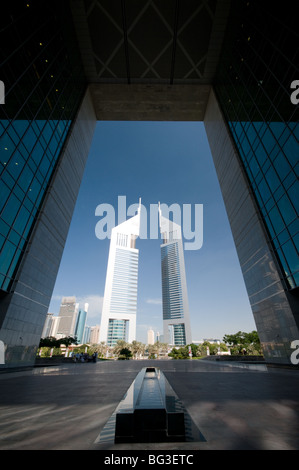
(121,344)
(102,349)
(142,351)
(163,348)
(136,348)
(153,349)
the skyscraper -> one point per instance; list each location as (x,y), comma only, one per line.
(68,314)
(80,323)
(150,336)
(118,320)
(48,327)
(94,334)
(176,323)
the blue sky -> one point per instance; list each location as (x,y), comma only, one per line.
(168,162)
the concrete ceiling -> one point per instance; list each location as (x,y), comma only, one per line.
(150,59)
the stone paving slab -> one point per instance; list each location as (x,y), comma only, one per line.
(233,407)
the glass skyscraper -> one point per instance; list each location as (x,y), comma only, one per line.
(80,324)
(44,84)
(176,322)
(119,312)
(258,172)
(260,59)
(46,127)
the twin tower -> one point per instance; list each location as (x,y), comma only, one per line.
(120,298)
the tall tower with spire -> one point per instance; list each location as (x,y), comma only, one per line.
(119,312)
(176,322)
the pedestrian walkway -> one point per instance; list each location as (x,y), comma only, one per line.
(232,406)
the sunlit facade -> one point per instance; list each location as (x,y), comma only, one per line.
(176,322)
(119,312)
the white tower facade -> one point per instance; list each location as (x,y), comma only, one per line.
(150,336)
(119,312)
(176,321)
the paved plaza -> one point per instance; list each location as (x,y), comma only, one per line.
(231,406)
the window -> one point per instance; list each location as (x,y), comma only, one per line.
(34,120)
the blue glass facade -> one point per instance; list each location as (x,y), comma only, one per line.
(117,331)
(171,282)
(258,63)
(80,325)
(179,335)
(44,86)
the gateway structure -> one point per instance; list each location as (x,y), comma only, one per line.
(120,298)
(73,63)
(176,322)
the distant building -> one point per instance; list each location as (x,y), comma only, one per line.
(68,316)
(54,328)
(80,324)
(70,312)
(150,336)
(94,334)
(212,340)
(197,342)
(50,326)
(47,325)
(86,336)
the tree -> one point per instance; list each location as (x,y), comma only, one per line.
(153,350)
(201,350)
(118,346)
(100,348)
(143,348)
(163,348)
(244,343)
(125,353)
(194,349)
(180,353)
(213,347)
(68,340)
(174,353)
(233,340)
(136,348)
(49,342)
(52,342)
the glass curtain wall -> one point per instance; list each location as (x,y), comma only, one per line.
(177,334)
(44,85)
(171,282)
(259,61)
(117,331)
